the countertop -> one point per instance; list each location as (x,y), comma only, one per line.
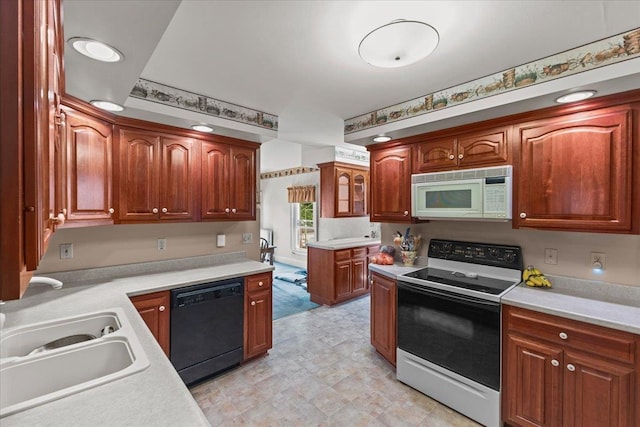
(349,242)
(600,303)
(156,396)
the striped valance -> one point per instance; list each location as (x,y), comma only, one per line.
(302,194)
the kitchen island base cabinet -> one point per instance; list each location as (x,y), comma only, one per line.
(154,308)
(561,372)
(257,315)
(383,316)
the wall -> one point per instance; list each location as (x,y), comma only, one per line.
(125,244)
(574,249)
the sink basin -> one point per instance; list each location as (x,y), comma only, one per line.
(28,380)
(22,340)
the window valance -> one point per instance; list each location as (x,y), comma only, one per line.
(302,194)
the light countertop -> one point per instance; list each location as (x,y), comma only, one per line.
(349,242)
(155,396)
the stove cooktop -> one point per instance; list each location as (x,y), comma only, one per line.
(487,285)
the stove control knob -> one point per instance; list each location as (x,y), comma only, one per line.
(447,247)
(510,256)
(494,252)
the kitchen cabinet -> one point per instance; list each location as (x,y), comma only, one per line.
(576,173)
(158,176)
(383,316)
(475,149)
(88,176)
(258,311)
(562,372)
(344,190)
(390,171)
(338,275)
(228,182)
(155,310)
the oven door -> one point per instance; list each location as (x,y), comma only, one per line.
(458,332)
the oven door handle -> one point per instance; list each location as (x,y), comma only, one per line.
(451,296)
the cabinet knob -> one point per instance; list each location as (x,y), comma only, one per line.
(406,213)
(154,210)
(161,308)
(30,208)
(554,362)
(571,367)
(227,210)
(523,215)
(563,335)
(165,210)
(111,210)
(253,303)
(57,220)
(233,210)
(460,156)
(451,157)
(260,283)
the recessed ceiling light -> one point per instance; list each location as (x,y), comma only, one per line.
(576,96)
(202,128)
(95,49)
(398,43)
(381,138)
(107,105)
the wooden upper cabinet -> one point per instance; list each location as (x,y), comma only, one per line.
(344,190)
(391,185)
(575,173)
(157,175)
(87,147)
(228,184)
(475,149)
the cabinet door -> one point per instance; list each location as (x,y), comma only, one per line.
(597,393)
(383,316)
(436,155)
(242,184)
(215,181)
(154,309)
(489,148)
(532,383)
(139,175)
(88,170)
(342,279)
(359,282)
(575,173)
(343,192)
(178,177)
(359,193)
(391,185)
(258,315)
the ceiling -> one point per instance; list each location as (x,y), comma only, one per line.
(299,60)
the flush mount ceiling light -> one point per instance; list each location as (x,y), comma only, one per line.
(202,128)
(398,44)
(576,96)
(95,49)
(107,105)
(381,138)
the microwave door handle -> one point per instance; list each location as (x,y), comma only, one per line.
(456,297)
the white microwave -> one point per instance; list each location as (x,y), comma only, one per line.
(467,194)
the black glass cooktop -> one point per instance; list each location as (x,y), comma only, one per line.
(484,284)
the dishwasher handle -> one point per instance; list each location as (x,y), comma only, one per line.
(199,294)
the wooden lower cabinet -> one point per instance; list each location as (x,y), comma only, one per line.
(155,308)
(383,316)
(338,275)
(561,372)
(257,315)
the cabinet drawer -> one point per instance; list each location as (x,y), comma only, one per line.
(372,250)
(606,342)
(359,252)
(342,255)
(258,282)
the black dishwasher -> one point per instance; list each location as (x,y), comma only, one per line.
(207,328)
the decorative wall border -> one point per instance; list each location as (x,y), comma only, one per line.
(179,98)
(598,54)
(287,172)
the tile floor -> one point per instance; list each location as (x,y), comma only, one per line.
(322,371)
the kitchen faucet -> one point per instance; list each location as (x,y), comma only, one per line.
(55,284)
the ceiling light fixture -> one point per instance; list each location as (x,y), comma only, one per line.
(107,105)
(95,49)
(575,96)
(398,44)
(381,138)
(202,128)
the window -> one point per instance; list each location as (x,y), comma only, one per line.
(303,225)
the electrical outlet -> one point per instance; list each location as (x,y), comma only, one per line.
(247,238)
(66,251)
(550,256)
(162,244)
(598,261)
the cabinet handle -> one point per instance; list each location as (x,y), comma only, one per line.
(154,210)
(29,208)
(161,308)
(571,367)
(165,210)
(111,210)
(227,210)
(63,211)
(451,157)
(406,213)
(253,303)
(260,283)
(563,335)
(57,220)
(233,210)
(554,362)
(460,156)
(523,215)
